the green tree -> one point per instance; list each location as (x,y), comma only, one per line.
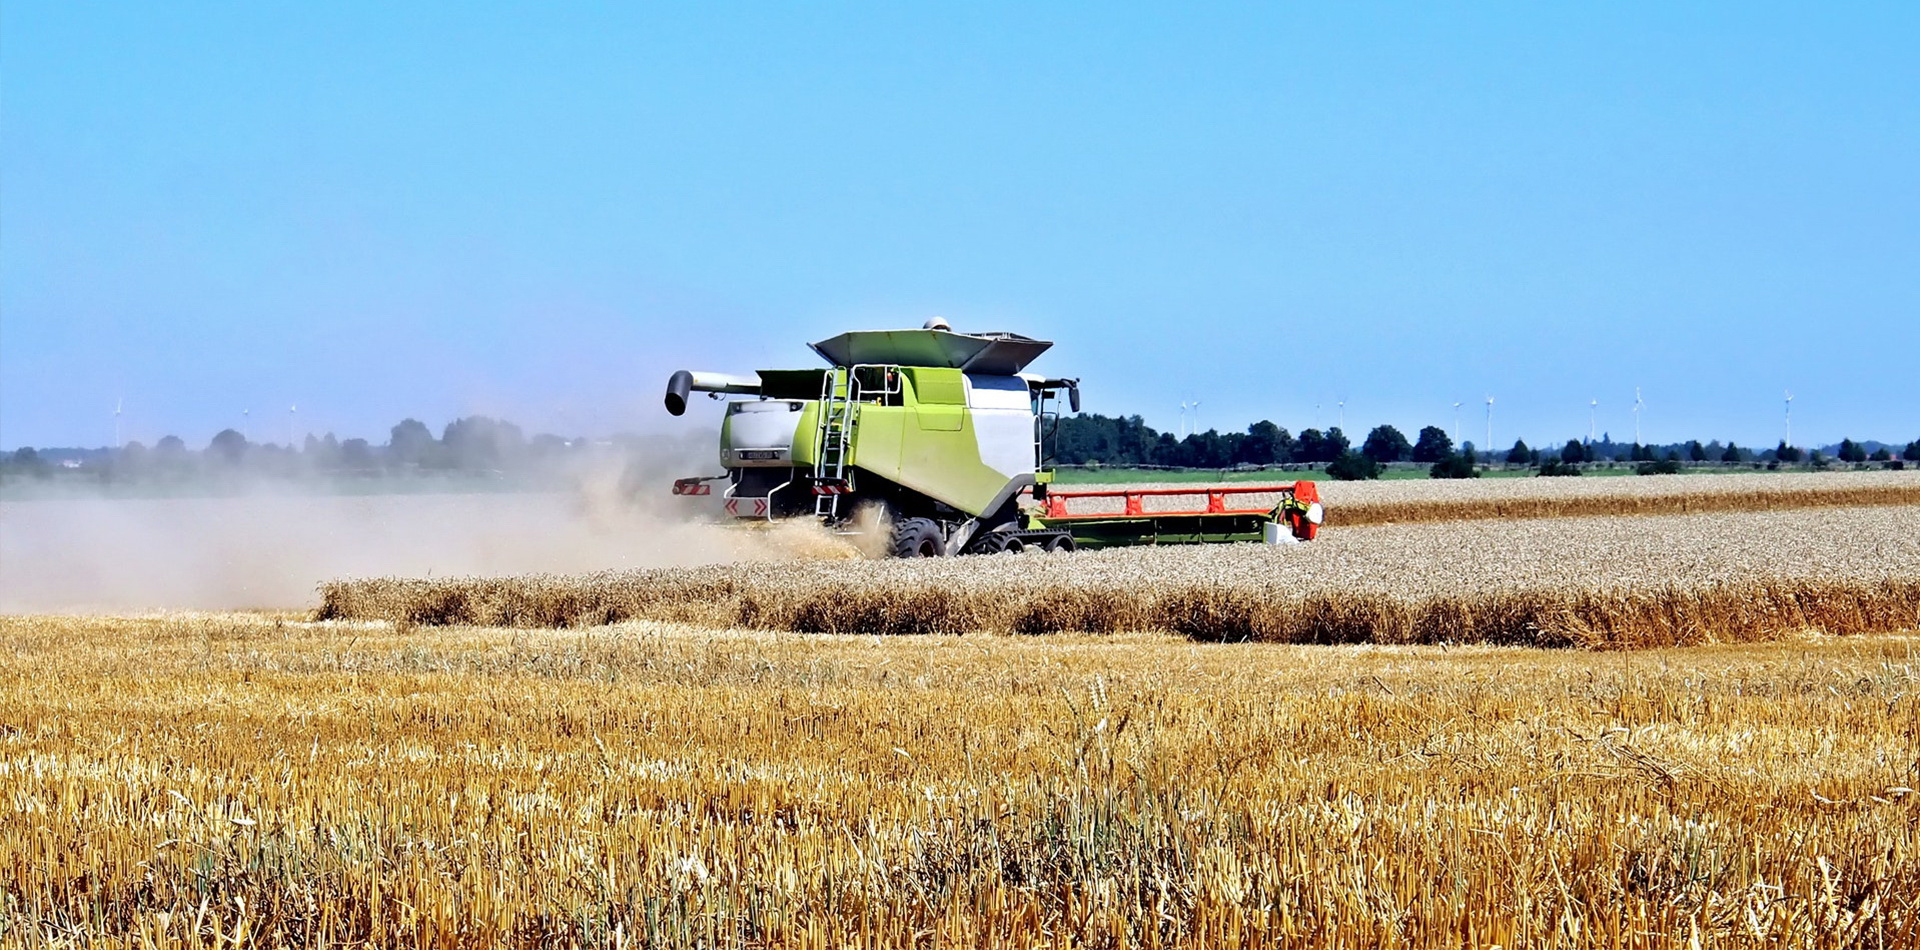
(1262,444)
(1696,452)
(1732,454)
(1787,453)
(1455,466)
(1519,454)
(1912,452)
(479,443)
(1353,466)
(228,446)
(1386,444)
(1314,446)
(1432,445)
(1852,452)
(411,443)
(1573,453)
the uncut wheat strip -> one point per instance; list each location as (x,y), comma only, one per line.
(1354,504)
(1577,581)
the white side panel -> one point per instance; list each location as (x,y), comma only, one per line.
(1002,411)
(1006,440)
(998,392)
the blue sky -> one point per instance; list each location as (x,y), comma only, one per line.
(378,210)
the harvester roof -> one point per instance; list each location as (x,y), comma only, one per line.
(998,354)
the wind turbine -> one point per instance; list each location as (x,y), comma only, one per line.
(1637,404)
(1489,448)
(1456,420)
(1593,415)
(291,421)
(1185,408)
(1343,414)
(117,405)
(1788,439)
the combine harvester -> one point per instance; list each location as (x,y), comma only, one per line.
(948,433)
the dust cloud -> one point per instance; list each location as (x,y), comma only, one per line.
(271,547)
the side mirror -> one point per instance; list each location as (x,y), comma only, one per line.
(1073,397)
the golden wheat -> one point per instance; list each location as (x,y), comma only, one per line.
(1351,504)
(246,780)
(1594,582)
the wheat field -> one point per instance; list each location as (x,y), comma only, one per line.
(228,780)
(1596,582)
(1352,504)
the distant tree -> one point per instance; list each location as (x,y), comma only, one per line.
(1851,451)
(1353,466)
(1573,453)
(1912,452)
(1667,466)
(1284,448)
(1337,443)
(1432,445)
(228,446)
(1386,444)
(1732,454)
(1312,447)
(1818,459)
(1519,454)
(1640,453)
(1262,444)
(1559,468)
(411,443)
(25,461)
(1787,453)
(479,442)
(1456,466)
(1468,452)
(1696,452)
(356,454)
(170,445)
(1880,455)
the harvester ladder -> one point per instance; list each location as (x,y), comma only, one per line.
(837,395)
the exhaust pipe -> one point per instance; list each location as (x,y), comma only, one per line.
(685,382)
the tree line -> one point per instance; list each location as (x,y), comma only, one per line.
(474,445)
(481,445)
(1127,441)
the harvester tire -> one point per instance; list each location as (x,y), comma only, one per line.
(1060,543)
(989,542)
(917,537)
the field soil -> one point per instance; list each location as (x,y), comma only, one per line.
(257,779)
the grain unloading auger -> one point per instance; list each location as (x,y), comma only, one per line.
(948,433)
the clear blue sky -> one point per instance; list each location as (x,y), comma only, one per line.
(380,210)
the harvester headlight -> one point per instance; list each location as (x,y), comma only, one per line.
(1316,514)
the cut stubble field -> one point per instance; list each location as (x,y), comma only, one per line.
(188,779)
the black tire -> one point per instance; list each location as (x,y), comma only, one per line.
(1015,545)
(1060,543)
(917,537)
(991,542)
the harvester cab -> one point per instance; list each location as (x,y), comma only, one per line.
(946,431)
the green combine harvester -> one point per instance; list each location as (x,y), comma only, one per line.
(949,434)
